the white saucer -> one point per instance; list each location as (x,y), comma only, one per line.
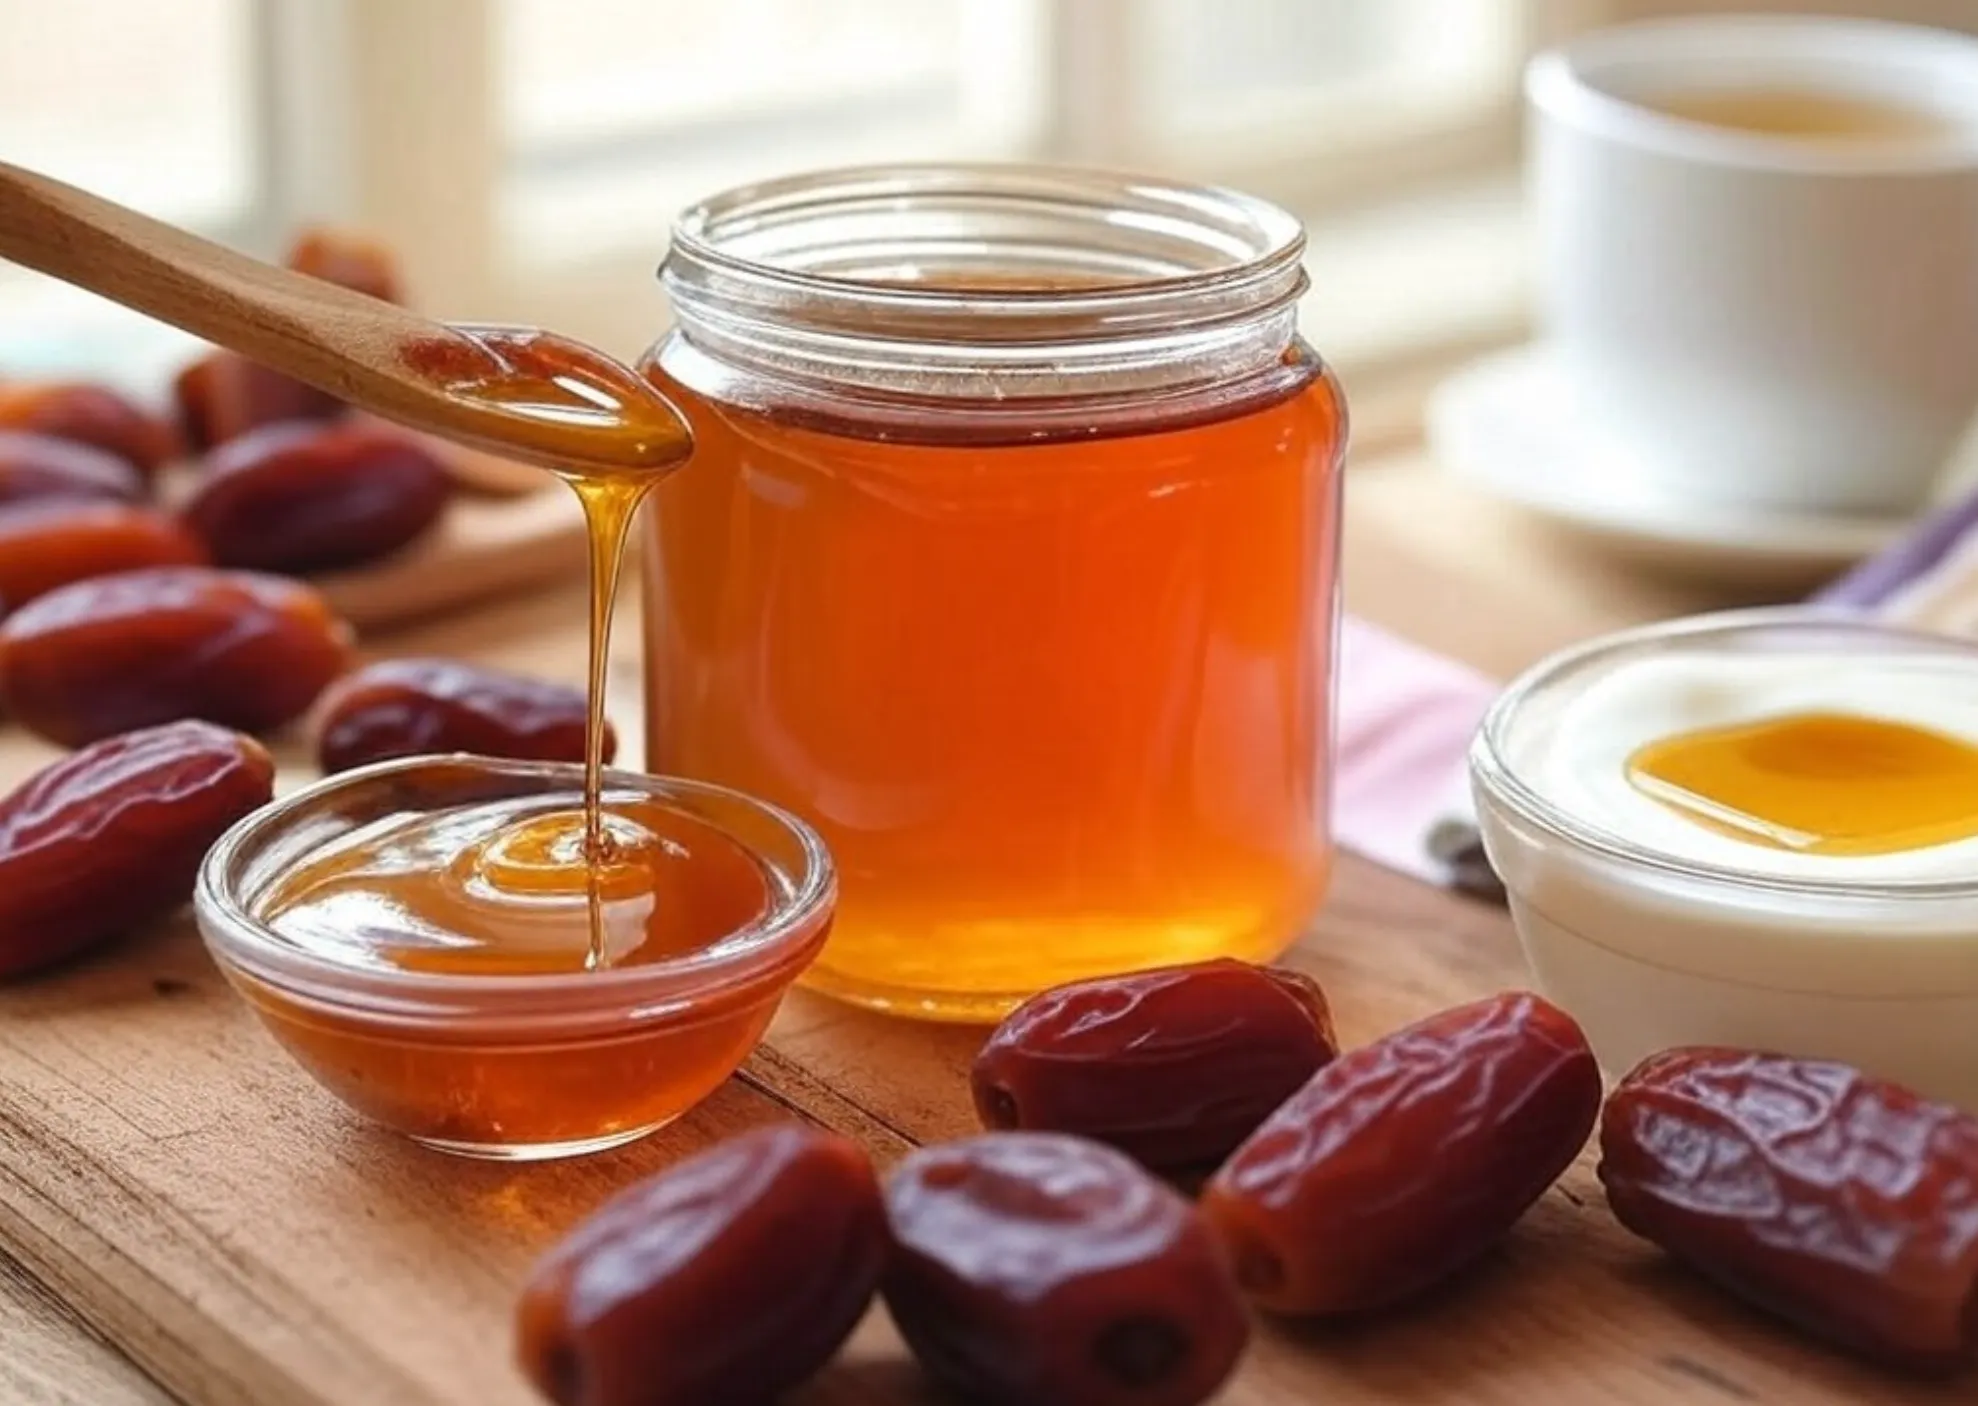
(1506,425)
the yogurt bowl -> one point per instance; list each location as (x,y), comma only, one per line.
(1656,928)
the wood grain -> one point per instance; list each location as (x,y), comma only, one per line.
(169,1176)
(50,1357)
(483,549)
(362,350)
(1487,582)
(214,1214)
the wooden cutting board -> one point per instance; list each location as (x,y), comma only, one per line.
(169,1178)
(483,549)
(172,1178)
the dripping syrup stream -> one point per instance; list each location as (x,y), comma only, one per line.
(610,501)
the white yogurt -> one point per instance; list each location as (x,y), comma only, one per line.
(1580,763)
(1655,931)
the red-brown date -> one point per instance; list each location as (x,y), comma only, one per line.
(1040,1269)
(348,259)
(42,466)
(1845,1204)
(1174,1067)
(114,653)
(89,414)
(111,837)
(413,707)
(724,1280)
(310,497)
(1403,1161)
(223,395)
(49,543)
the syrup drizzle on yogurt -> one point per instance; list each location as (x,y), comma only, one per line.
(1828,783)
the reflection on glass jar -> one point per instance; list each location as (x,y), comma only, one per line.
(1007,556)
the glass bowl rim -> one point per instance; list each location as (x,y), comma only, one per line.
(757,951)
(1497,780)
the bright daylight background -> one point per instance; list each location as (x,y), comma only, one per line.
(524,156)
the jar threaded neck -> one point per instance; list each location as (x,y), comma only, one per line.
(984,290)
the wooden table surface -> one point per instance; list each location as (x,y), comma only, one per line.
(183,1216)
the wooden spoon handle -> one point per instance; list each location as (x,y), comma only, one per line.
(310,329)
(519,392)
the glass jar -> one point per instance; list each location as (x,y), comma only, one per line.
(1007,557)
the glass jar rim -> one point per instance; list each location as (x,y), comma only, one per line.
(804,897)
(984,294)
(1235,238)
(1498,778)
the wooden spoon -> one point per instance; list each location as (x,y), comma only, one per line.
(516,391)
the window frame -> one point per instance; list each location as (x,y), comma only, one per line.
(385,116)
(339,64)
(1371,147)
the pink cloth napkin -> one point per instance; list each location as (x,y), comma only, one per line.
(1404,721)
(1406,714)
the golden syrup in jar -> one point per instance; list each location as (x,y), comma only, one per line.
(1007,559)
(1818,783)
(1059,703)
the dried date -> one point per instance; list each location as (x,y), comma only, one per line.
(414,707)
(89,414)
(1843,1203)
(1040,1269)
(223,395)
(1174,1067)
(41,467)
(306,497)
(349,260)
(143,647)
(111,837)
(49,543)
(722,1281)
(1404,1160)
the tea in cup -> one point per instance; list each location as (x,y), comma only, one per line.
(1759,253)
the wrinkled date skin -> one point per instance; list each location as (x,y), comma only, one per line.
(1174,1067)
(1843,1203)
(144,647)
(415,707)
(111,837)
(42,466)
(1041,1269)
(303,498)
(49,543)
(88,414)
(723,1281)
(1404,1160)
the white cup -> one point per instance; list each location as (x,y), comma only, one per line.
(1764,321)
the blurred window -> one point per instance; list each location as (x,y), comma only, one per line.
(526,156)
(614,112)
(150,104)
(1299,74)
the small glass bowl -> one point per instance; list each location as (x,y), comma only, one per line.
(513,1067)
(1651,950)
